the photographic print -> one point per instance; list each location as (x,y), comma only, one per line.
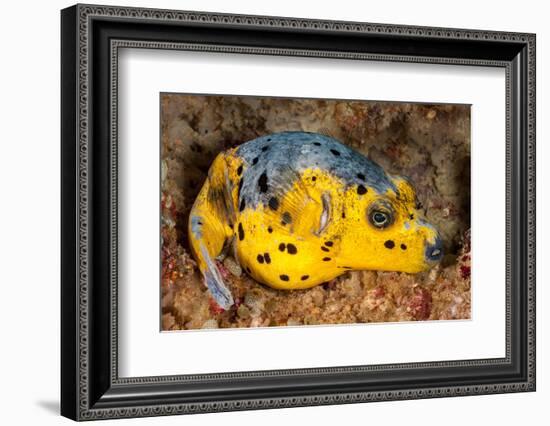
(293,212)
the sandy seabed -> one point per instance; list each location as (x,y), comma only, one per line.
(428,143)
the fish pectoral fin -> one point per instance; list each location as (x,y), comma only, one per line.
(325,215)
(214,281)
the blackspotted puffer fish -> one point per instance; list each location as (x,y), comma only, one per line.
(298,209)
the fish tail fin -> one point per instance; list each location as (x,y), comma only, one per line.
(214,282)
(209,233)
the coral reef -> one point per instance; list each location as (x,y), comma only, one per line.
(428,143)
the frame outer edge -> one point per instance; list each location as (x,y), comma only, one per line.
(80,207)
(531,213)
(83,60)
(69,282)
(263,21)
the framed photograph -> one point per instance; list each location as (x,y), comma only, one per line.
(263,212)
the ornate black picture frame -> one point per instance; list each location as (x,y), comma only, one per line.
(91,36)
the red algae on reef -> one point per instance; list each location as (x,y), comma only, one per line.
(428,143)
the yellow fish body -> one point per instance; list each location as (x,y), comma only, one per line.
(299,209)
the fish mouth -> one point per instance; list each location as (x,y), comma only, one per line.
(434,252)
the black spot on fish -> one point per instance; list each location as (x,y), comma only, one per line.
(304,277)
(284,277)
(335,153)
(282,247)
(269,229)
(326,259)
(241,232)
(260,258)
(343,215)
(361,176)
(324,249)
(239,188)
(262,182)
(231,225)
(316,144)
(240,170)
(267,258)
(273,203)
(291,248)
(287,218)
(242,205)
(265,148)
(361,190)
(329,243)
(255,161)
(314,178)
(389,244)
(403,247)
(248,270)
(346,267)
(411,216)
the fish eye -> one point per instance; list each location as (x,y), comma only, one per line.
(380,215)
(380,219)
